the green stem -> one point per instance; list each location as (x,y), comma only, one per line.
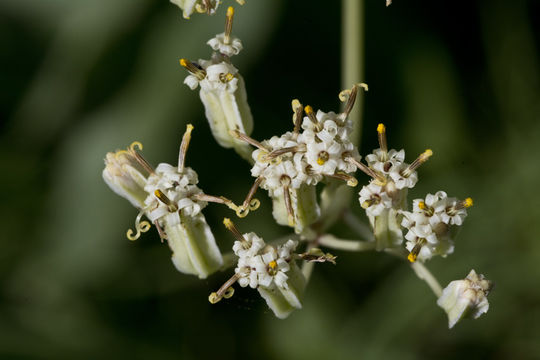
(352,57)
(332,242)
(420,270)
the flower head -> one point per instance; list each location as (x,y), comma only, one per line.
(465,298)
(272,270)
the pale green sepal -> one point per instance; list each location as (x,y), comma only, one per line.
(386,229)
(283,301)
(305,207)
(227,111)
(195,250)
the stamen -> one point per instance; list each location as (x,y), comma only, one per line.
(381,133)
(232,228)
(351,100)
(370,172)
(467,203)
(286,181)
(228,25)
(140,227)
(366,204)
(183,148)
(252,192)
(189,66)
(225,291)
(279,152)
(351,180)
(215,199)
(323,158)
(422,205)
(226,77)
(413,255)
(237,134)
(416,163)
(161,232)
(298,115)
(133,152)
(311,114)
(164,199)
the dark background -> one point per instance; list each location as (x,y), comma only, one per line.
(80,78)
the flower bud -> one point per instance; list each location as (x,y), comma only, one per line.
(465,298)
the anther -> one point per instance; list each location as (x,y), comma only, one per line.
(416,163)
(189,66)
(467,203)
(323,158)
(183,148)
(164,199)
(228,25)
(226,77)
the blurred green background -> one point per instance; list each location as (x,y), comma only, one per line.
(83,77)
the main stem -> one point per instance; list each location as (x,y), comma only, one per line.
(336,198)
(352,57)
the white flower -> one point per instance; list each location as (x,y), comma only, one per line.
(190,6)
(401,180)
(423,243)
(177,187)
(275,171)
(385,162)
(218,43)
(455,211)
(263,265)
(374,199)
(465,298)
(326,137)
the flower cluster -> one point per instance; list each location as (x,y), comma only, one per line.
(386,194)
(431,225)
(222,90)
(169,197)
(272,270)
(289,166)
(318,150)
